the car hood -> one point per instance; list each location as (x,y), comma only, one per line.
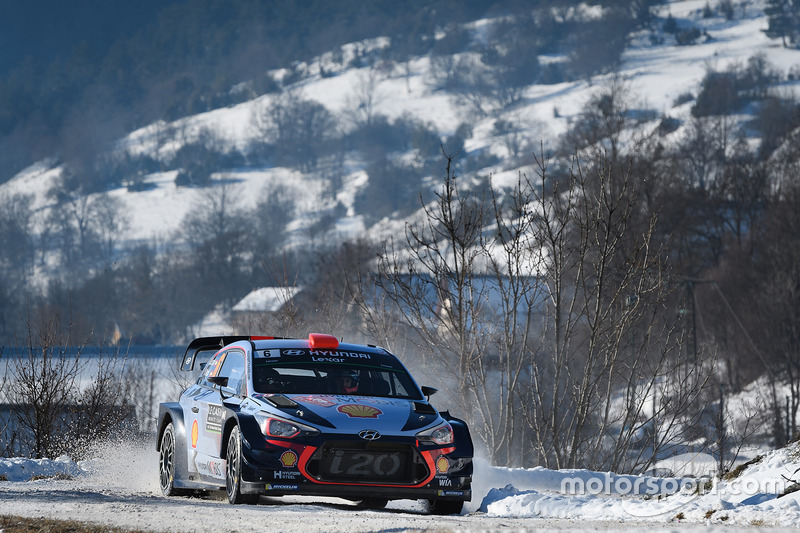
(354,413)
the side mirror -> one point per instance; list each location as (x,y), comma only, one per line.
(223,383)
(429,391)
(218,380)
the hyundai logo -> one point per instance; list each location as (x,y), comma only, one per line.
(369,434)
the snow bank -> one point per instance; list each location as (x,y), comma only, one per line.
(761,494)
(20,469)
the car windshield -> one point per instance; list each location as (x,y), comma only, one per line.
(290,378)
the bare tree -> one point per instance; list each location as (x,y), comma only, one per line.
(515,266)
(299,128)
(102,405)
(364,97)
(465,288)
(546,310)
(43,380)
(16,239)
(466,77)
(274,211)
(110,220)
(8,435)
(218,234)
(162,134)
(703,153)
(61,402)
(513,138)
(329,292)
(432,280)
(86,228)
(141,382)
(214,216)
(772,304)
(604,120)
(604,283)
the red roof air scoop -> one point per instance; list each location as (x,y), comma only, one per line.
(317,341)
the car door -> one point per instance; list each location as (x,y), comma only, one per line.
(211,412)
(194,403)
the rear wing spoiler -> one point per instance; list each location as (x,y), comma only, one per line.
(213,345)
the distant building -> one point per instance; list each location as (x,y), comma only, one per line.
(254,310)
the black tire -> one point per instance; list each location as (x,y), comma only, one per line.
(443,507)
(233,471)
(166,463)
(372,503)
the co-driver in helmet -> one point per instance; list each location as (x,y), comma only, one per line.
(345,381)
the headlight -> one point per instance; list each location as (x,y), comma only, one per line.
(280,428)
(272,426)
(442,434)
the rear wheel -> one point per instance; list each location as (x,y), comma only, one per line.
(443,507)
(233,471)
(166,463)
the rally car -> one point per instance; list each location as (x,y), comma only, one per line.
(272,416)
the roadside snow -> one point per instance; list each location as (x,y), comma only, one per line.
(761,495)
(21,469)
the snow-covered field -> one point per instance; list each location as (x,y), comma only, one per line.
(119,486)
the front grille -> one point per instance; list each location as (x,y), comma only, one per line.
(367,462)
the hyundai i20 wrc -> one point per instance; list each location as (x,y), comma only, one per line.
(276,417)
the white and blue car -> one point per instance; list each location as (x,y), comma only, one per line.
(275,417)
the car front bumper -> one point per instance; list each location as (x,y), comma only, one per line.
(355,470)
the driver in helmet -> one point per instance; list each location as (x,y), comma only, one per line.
(345,382)
(266,380)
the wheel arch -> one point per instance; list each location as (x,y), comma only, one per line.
(170,412)
(249,431)
(230,423)
(173,413)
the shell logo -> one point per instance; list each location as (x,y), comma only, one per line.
(442,464)
(320,401)
(194,434)
(289,458)
(359,411)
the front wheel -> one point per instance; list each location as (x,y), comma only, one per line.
(443,507)
(233,471)
(166,463)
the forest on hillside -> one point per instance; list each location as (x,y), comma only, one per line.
(74,75)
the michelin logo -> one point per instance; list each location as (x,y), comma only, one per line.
(273,486)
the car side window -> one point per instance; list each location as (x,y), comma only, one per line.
(233,369)
(211,368)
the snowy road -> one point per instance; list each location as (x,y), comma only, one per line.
(119,488)
(149,511)
(122,490)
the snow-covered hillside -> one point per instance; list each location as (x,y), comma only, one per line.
(657,74)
